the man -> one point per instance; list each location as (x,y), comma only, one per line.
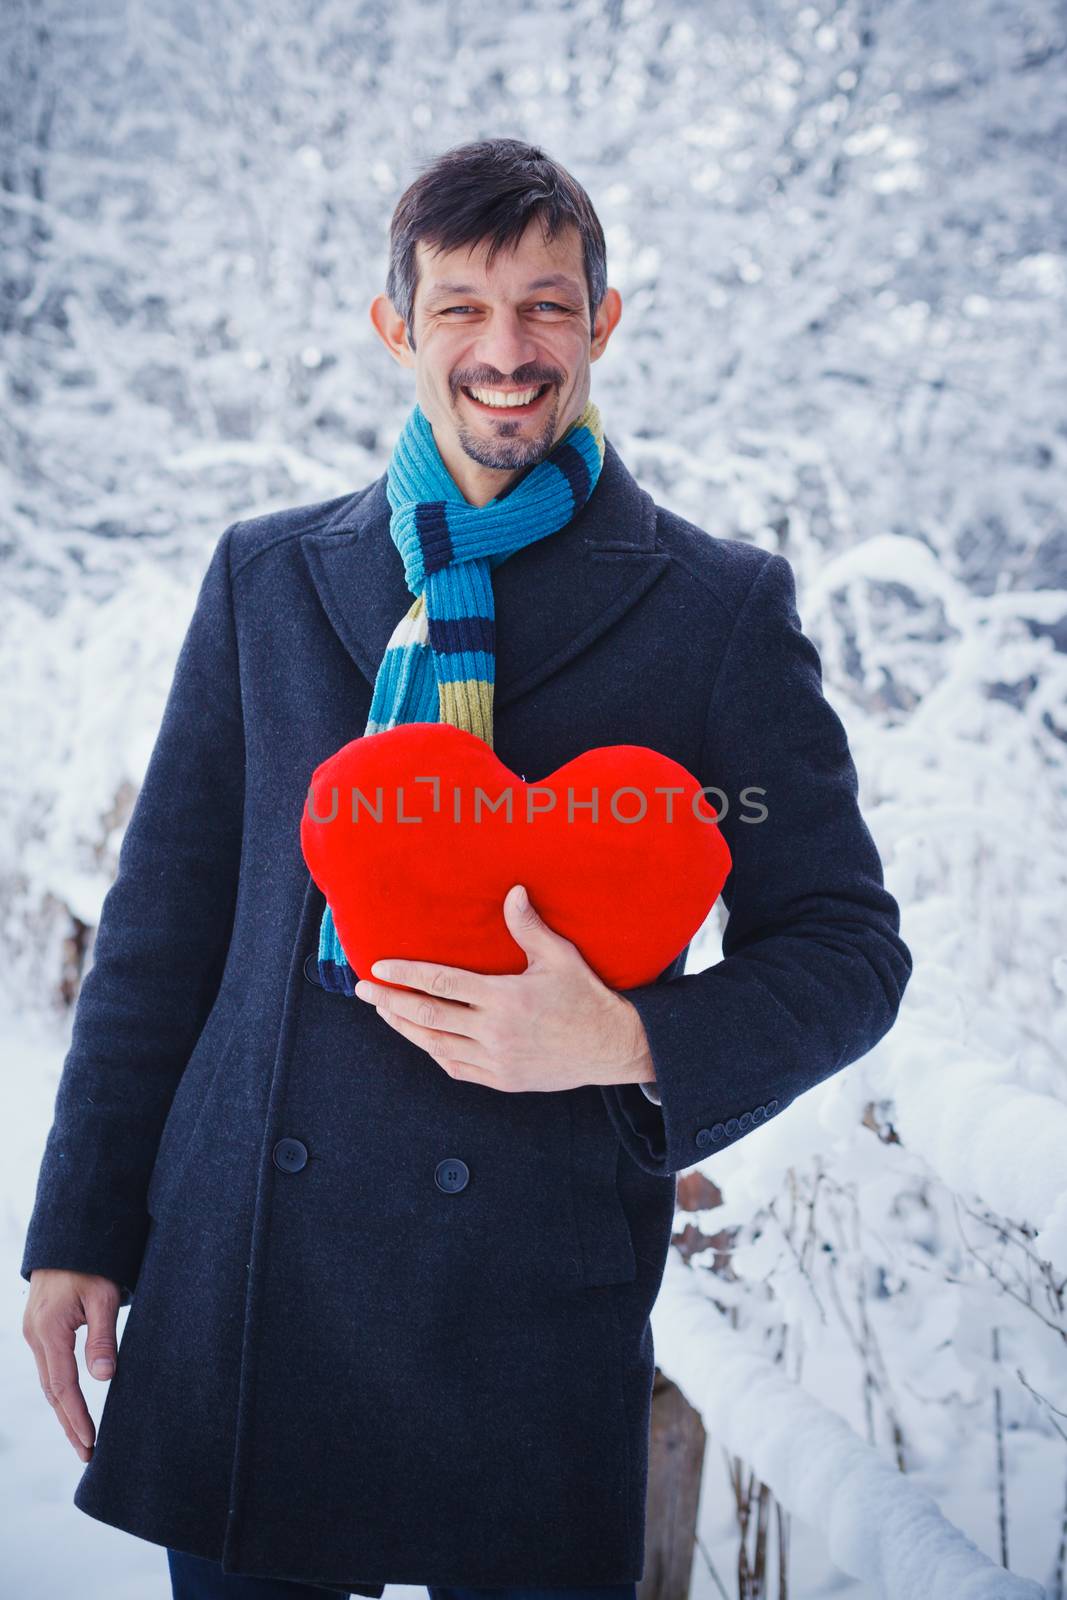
(390,1252)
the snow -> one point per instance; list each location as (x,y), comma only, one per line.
(877,1523)
(838,236)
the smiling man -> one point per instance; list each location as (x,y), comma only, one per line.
(390,1242)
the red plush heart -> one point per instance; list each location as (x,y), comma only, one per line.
(407,834)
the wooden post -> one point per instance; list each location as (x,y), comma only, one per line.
(677,1439)
(676,1463)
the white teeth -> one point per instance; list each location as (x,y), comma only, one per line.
(497,397)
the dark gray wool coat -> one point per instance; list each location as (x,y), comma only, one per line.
(335,1367)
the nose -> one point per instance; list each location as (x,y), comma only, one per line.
(506,345)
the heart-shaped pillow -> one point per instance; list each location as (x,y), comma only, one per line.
(415,835)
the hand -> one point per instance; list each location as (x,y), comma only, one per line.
(59,1303)
(554,1026)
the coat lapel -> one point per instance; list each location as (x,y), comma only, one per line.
(553,598)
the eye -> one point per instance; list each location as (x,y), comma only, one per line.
(554,305)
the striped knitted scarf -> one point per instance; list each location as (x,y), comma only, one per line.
(439,663)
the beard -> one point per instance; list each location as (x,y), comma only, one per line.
(506,445)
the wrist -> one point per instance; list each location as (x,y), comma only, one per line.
(636,1064)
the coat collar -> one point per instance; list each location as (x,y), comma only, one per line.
(553,598)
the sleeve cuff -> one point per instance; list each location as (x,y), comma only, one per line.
(117,1258)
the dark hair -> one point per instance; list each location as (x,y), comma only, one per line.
(489,189)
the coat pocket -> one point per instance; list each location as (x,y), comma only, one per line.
(601,1220)
(210,1054)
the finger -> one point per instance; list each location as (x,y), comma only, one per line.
(445,983)
(443,1047)
(415,1006)
(101,1343)
(63,1389)
(83,1447)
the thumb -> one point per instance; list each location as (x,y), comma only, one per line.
(525,924)
(101,1345)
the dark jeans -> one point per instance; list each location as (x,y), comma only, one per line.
(193,1578)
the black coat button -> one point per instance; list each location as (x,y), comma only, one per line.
(311,969)
(718,1131)
(772,1107)
(452,1175)
(758,1114)
(744,1121)
(703,1137)
(731,1126)
(290,1155)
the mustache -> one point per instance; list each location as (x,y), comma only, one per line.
(518,380)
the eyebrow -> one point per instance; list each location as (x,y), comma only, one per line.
(555,280)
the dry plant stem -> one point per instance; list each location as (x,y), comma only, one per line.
(1042,1279)
(760,1553)
(787,1235)
(1041,1400)
(735,1468)
(749,1492)
(712,1573)
(783,1521)
(1057,1327)
(1056,1589)
(878,1371)
(865,1343)
(998,1434)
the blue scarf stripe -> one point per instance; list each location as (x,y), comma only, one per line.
(459,613)
(335,974)
(450,548)
(419,705)
(467,664)
(415,700)
(465,590)
(589,448)
(388,686)
(474,543)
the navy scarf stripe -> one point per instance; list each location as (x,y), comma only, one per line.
(448,635)
(576,473)
(436,541)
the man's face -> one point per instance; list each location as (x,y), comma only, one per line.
(484,336)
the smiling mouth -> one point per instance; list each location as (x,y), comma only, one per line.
(507,410)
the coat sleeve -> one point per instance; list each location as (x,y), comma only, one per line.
(813,966)
(160,949)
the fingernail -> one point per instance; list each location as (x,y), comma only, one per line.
(102,1368)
